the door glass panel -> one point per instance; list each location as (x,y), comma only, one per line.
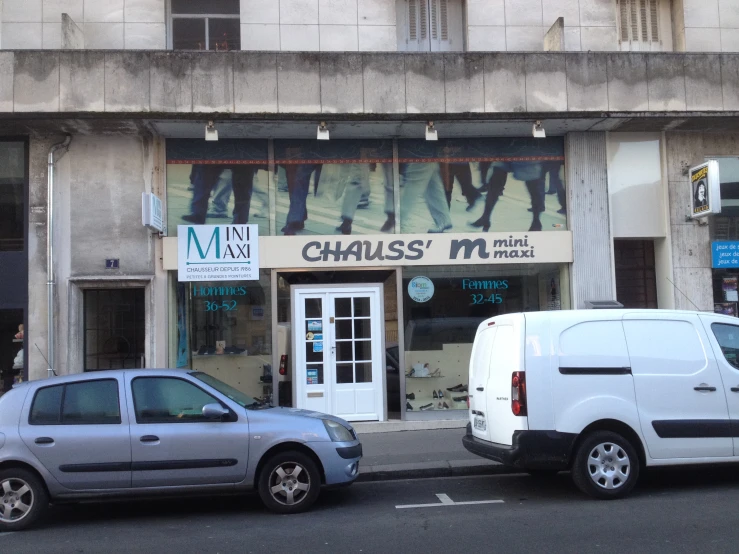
(47,406)
(344,373)
(344,329)
(361,307)
(344,351)
(93,402)
(363,350)
(168,400)
(314,374)
(343,307)
(310,352)
(313,308)
(363,373)
(362,328)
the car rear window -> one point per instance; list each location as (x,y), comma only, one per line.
(85,403)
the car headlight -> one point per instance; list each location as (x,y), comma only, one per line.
(337,431)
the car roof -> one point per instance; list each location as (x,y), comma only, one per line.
(107,374)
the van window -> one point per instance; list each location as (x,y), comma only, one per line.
(664,347)
(481,355)
(727,337)
(594,345)
(504,356)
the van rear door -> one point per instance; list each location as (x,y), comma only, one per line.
(496,356)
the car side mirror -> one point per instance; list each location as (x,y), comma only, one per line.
(214,411)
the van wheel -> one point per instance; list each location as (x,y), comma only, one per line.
(23,499)
(289,483)
(605,466)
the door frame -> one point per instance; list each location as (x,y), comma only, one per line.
(299,381)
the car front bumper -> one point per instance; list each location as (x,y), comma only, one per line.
(340,461)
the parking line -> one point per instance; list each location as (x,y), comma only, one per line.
(444,500)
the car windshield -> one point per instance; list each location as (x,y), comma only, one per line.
(237,396)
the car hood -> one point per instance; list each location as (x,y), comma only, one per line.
(309,413)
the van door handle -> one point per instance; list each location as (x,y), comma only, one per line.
(705,389)
(480,389)
(734,389)
(149,438)
(44,440)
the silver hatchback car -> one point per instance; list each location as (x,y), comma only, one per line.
(139,432)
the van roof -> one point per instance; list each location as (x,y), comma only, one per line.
(605,314)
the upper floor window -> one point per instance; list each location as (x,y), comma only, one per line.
(211,25)
(644,25)
(430,25)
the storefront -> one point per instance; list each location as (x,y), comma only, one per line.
(724,232)
(377,261)
(13,260)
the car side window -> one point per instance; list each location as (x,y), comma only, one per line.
(85,403)
(727,337)
(169,400)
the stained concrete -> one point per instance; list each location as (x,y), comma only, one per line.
(587,82)
(82,81)
(298,83)
(463,83)
(384,83)
(127,81)
(505,83)
(35,82)
(341,83)
(423,74)
(170,82)
(255,82)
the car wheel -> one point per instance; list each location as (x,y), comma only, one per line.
(605,466)
(23,499)
(289,483)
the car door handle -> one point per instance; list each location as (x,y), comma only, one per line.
(705,389)
(149,438)
(480,389)
(44,440)
(734,389)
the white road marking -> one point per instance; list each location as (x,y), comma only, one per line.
(444,500)
(8,533)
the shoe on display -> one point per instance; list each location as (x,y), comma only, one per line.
(436,395)
(446,406)
(408,406)
(456,388)
(427,407)
(441,393)
(439,406)
(460,398)
(411,396)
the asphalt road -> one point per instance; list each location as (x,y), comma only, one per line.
(675,511)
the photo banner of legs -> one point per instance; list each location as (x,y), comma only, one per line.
(347,187)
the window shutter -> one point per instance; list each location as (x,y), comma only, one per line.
(444,19)
(639,20)
(653,19)
(434,20)
(423,20)
(634,19)
(644,24)
(624,12)
(412,19)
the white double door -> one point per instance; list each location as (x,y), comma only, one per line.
(338,343)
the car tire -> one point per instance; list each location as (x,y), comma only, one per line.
(284,488)
(23,499)
(605,466)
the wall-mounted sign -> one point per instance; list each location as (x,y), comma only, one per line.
(112,263)
(705,189)
(421,289)
(724,254)
(543,247)
(217,252)
(151,212)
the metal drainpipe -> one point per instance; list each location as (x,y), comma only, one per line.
(50,249)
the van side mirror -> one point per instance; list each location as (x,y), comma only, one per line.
(214,411)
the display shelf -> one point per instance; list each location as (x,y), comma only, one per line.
(427,377)
(244,354)
(17,340)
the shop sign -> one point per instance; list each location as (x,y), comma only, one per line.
(724,254)
(705,189)
(151,212)
(421,289)
(218,252)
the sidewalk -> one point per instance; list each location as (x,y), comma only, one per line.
(420,453)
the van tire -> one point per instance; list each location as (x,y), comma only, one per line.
(607,450)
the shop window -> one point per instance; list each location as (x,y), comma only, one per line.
(213,25)
(12,356)
(114,328)
(725,227)
(443,307)
(430,25)
(12,195)
(224,329)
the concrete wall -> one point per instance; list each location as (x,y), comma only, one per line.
(98,186)
(691,244)
(708,25)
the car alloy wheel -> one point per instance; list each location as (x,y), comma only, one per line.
(16,501)
(289,483)
(609,465)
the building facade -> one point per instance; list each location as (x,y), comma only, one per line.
(393,199)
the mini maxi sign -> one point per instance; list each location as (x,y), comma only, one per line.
(705,189)
(218,252)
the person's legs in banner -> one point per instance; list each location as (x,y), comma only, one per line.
(463,173)
(436,201)
(356,178)
(495,187)
(243,184)
(298,181)
(536,192)
(414,180)
(203,178)
(222,195)
(387,172)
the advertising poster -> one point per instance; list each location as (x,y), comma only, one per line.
(725,308)
(479,185)
(729,286)
(706,189)
(334,187)
(216,183)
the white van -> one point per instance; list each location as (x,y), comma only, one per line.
(605,392)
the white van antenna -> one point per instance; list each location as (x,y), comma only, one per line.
(685,295)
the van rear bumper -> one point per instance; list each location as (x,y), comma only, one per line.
(530,449)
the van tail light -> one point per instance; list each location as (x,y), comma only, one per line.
(468,402)
(518,393)
(283,364)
